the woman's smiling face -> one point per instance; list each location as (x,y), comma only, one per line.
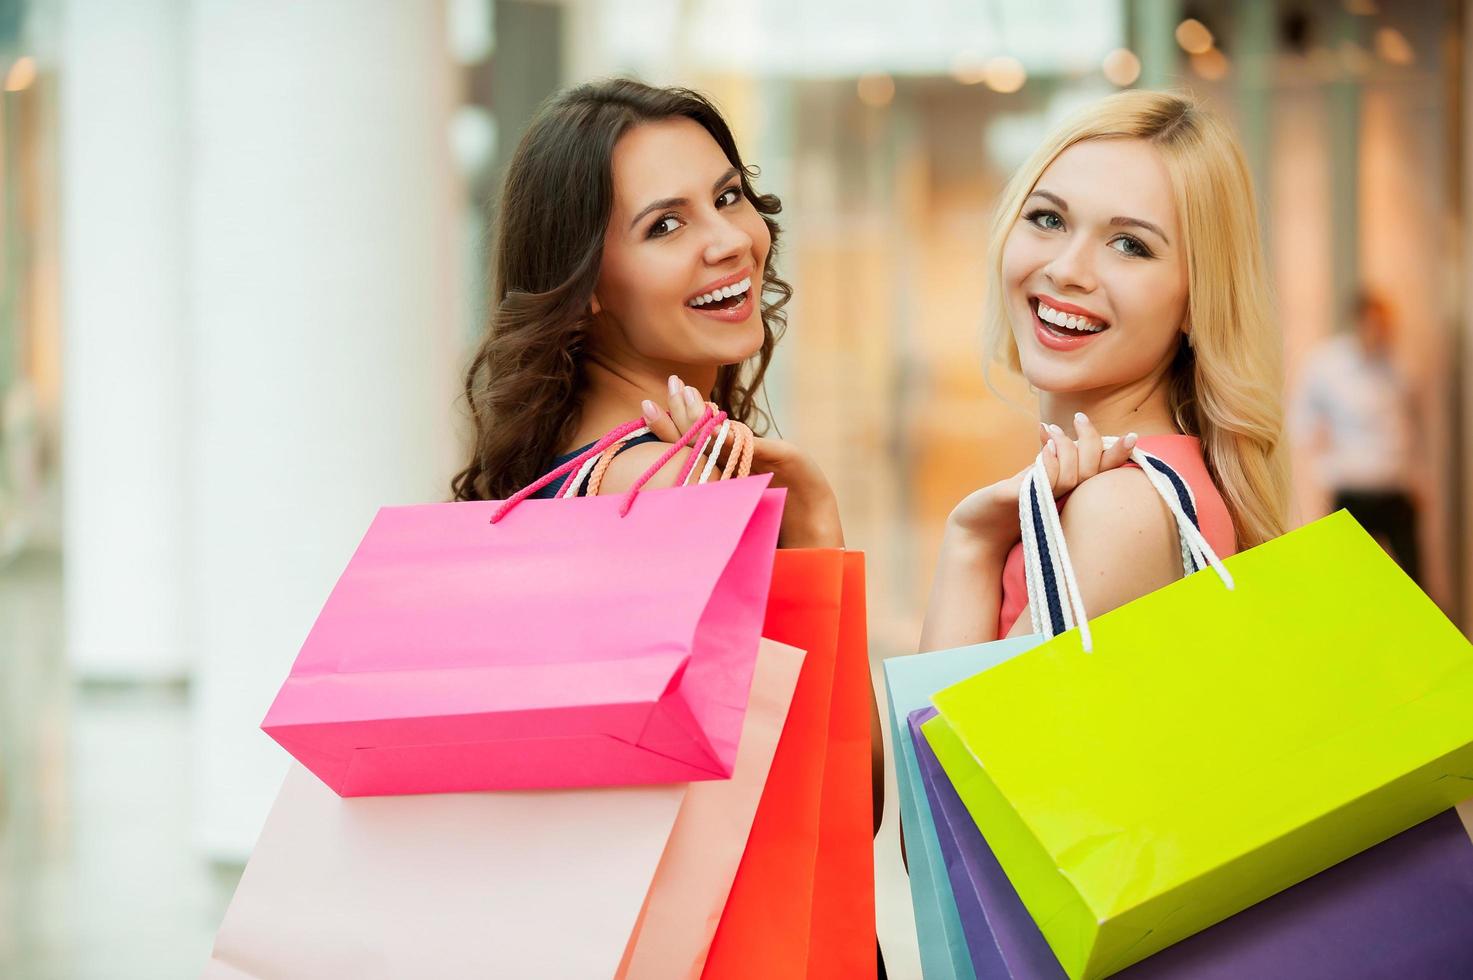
(1095,269)
(681,277)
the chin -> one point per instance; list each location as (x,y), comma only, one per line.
(1044,374)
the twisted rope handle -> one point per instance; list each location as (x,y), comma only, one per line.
(575,463)
(698,433)
(739,459)
(1046,563)
(591,464)
(596,478)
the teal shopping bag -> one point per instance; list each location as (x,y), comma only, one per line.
(910,682)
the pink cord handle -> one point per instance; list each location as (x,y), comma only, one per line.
(710,420)
(570,466)
(693,436)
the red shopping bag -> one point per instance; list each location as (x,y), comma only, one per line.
(803,904)
(842,937)
(764,930)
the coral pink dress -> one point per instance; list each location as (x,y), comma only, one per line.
(1181,453)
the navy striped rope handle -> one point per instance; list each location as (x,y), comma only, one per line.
(1054,601)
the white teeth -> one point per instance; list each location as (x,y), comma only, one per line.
(1048,314)
(725,292)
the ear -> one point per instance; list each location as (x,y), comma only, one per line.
(594,306)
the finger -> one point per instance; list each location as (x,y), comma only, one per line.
(1051,461)
(662,426)
(1118,454)
(1087,443)
(1068,456)
(1043,435)
(679,410)
(695,405)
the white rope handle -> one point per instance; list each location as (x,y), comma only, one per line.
(581,477)
(715,452)
(1055,603)
(577,481)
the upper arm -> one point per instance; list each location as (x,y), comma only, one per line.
(626,468)
(1122,539)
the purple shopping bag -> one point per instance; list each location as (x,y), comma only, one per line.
(1401,909)
(538,643)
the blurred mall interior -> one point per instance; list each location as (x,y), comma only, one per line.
(242,266)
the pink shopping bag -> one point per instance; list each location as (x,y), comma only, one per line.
(572,642)
(691,885)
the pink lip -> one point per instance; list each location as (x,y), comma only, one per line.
(1057,341)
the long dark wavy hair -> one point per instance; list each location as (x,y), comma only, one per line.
(525,385)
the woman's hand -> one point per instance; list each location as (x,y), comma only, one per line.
(811,514)
(989,517)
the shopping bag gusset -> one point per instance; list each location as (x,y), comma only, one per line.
(910,681)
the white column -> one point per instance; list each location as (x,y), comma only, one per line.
(123,289)
(324,361)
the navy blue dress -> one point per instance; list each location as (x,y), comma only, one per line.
(553,488)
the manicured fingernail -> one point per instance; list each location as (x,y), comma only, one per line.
(1050,449)
(1056,430)
(1130,438)
(1080,417)
(648,407)
(674,385)
(692,397)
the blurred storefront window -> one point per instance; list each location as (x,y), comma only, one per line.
(30,361)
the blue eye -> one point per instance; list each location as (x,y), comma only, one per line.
(1132,246)
(1046,220)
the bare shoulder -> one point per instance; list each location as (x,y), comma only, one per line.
(1122,538)
(634,462)
(1118,502)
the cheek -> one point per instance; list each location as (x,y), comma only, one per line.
(1158,304)
(629,283)
(1021,257)
(761,236)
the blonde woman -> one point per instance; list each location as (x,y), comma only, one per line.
(1126,283)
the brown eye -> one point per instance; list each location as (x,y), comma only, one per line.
(664,226)
(729,197)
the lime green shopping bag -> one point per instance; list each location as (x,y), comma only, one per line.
(1217,746)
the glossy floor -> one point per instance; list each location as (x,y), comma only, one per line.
(97,878)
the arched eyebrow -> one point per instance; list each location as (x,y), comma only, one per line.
(666,203)
(1119,221)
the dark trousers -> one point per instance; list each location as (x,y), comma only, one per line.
(1390,516)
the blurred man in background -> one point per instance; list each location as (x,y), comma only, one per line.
(1355,419)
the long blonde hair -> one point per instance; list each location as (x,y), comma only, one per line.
(1226,385)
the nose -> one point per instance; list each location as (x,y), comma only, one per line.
(727,241)
(1072,267)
